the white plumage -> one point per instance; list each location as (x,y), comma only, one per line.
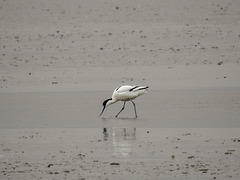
(125,93)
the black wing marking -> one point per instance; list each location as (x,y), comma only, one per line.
(133,88)
(118,88)
(142,88)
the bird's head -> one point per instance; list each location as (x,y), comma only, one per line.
(105,104)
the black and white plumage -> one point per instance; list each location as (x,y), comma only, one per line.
(125,93)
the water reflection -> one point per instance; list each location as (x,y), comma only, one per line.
(121,140)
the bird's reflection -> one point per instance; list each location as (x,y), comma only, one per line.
(121,140)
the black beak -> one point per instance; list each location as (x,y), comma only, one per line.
(102,111)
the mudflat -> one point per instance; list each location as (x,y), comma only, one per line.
(59,60)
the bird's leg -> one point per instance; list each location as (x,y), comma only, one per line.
(134,108)
(121,109)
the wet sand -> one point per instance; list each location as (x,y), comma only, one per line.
(60,59)
(117,153)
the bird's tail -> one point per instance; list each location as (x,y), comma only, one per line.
(141,90)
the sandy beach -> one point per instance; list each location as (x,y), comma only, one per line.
(59,60)
(132,153)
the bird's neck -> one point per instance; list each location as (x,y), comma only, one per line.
(112,101)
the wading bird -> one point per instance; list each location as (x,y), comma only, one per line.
(125,93)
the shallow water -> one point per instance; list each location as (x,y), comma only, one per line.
(215,108)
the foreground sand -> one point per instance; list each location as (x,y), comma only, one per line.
(118,153)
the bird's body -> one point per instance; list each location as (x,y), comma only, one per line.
(125,93)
